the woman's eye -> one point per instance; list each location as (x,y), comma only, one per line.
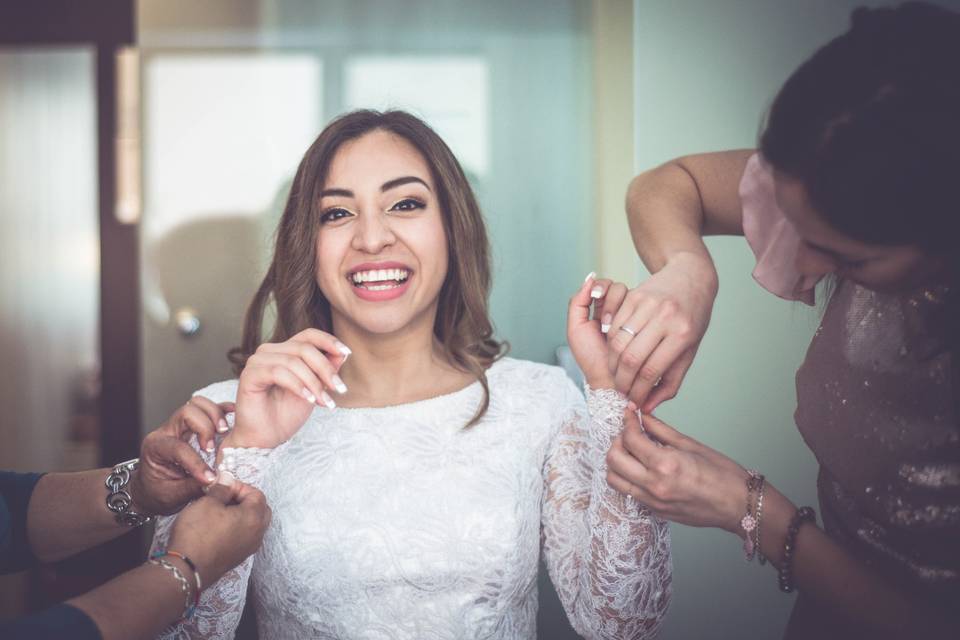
(407,204)
(332,215)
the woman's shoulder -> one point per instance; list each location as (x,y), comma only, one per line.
(223,391)
(542,397)
(544,379)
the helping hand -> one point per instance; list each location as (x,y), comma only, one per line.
(221,529)
(678,478)
(171,472)
(655,329)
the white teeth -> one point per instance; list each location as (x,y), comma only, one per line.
(380,275)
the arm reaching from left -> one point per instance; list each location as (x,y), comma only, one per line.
(216,532)
(67,512)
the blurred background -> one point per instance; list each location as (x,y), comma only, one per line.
(147,147)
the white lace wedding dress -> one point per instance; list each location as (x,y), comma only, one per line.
(397,522)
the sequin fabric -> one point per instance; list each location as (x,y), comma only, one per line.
(874,403)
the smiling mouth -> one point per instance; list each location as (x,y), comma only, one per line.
(379,279)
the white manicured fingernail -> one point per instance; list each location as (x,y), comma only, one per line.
(343,349)
(226,478)
(312,399)
(338,384)
(327,400)
(604,328)
(222,426)
(590,276)
(605,323)
(209,476)
(596,292)
(211,447)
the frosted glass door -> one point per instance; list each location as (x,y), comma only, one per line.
(49,259)
(223,133)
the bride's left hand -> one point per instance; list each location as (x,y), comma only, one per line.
(587,341)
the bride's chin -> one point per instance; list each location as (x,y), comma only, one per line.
(379,325)
(383,320)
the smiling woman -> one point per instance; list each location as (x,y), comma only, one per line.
(382,239)
(356,201)
(416,503)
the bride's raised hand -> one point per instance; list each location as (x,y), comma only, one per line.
(281,383)
(585,336)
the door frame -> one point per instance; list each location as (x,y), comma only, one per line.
(106,25)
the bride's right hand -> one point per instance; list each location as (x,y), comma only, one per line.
(281,383)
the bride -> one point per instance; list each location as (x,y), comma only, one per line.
(412,470)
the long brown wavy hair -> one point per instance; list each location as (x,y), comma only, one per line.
(462,326)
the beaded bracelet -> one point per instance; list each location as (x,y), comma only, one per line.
(187,561)
(189,607)
(785,573)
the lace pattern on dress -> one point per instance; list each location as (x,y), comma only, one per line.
(447,541)
(608,556)
(245,464)
(221,604)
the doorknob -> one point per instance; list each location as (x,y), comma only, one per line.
(187,321)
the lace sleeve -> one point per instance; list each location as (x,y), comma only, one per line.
(608,556)
(221,604)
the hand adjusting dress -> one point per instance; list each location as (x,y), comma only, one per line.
(397,522)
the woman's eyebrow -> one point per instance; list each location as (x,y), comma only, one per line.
(386,186)
(346,193)
(396,182)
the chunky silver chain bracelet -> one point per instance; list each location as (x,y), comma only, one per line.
(119,499)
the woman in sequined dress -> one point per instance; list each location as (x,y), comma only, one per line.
(856,180)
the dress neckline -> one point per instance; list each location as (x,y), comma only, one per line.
(424,402)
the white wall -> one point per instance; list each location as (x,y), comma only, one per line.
(705,73)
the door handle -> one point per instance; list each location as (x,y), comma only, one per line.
(187,322)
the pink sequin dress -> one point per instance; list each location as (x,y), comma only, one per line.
(876,407)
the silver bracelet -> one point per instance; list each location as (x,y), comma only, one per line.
(760,557)
(119,499)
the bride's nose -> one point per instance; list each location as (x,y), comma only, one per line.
(373,233)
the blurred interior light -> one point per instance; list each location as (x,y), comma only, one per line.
(129,196)
(451,93)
